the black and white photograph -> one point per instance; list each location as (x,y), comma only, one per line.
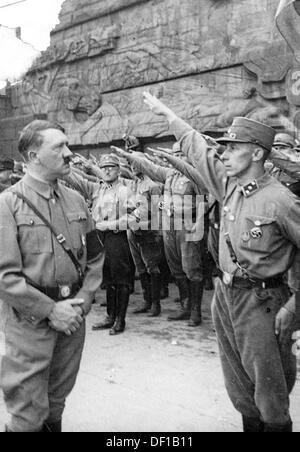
(149,219)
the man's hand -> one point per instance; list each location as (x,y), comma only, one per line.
(120,151)
(283,325)
(157,107)
(64,317)
(103,226)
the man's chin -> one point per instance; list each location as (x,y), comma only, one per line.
(230,172)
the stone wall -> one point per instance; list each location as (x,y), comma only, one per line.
(5,106)
(9,133)
(210,60)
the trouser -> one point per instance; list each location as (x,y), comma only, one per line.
(184,257)
(259,372)
(38,371)
(164,266)
(119,267)
(145,250)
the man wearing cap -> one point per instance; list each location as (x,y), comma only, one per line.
(112,205)
(259,239)
(209,223)
(286,165)
(47,283)
(145,241)
(6,171)
(182,250)
(283,149)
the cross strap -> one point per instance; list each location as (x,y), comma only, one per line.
(59,237)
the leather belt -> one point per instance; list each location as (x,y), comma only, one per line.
(58,293)
(248,284)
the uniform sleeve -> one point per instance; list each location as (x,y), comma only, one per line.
(289,218)
(289,164)
(190,173)
(289,222)
(14,289)
(87,188)
(203,157)
(294,274)
(93,274)
(155,172)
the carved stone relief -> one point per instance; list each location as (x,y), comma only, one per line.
(88,46)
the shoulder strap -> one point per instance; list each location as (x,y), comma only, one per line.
(211,209)
(234,257)
(59,237)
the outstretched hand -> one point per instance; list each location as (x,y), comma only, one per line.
(120,152)
(158,107)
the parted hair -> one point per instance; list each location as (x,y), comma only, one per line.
(31,138)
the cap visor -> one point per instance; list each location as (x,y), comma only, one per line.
(109,166)
(283,144)
(230,140)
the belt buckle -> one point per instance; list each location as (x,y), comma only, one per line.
(65,291)
(227,279)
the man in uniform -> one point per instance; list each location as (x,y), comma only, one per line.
(259,238)
(208,223)
(112,204)
(6,171)
(47,283)
(144,242)
(182,251)
(283,146)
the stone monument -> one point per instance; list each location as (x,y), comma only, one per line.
(209,60)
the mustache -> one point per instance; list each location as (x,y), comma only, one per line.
(67,160)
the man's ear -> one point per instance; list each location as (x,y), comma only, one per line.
(258,154)
(33,157)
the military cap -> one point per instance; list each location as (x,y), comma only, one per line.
(109,160)
(244,130)
(284,139)
(6,164)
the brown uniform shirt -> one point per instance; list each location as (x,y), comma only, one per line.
(110,202)
(147,196)
(28,248)
(262,219)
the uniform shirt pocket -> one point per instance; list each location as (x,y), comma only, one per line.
(260,233)
(33,235)
(77,222)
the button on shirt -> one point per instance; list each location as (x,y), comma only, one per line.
(263,225)
(29,249)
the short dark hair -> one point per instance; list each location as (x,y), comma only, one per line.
(30,136)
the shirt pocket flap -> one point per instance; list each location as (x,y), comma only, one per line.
(29,220)
(258,221)
(76,216)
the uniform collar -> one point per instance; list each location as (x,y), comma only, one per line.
(255,185)
(108,186)
(42,188)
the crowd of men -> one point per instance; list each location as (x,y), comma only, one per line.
(225,208)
